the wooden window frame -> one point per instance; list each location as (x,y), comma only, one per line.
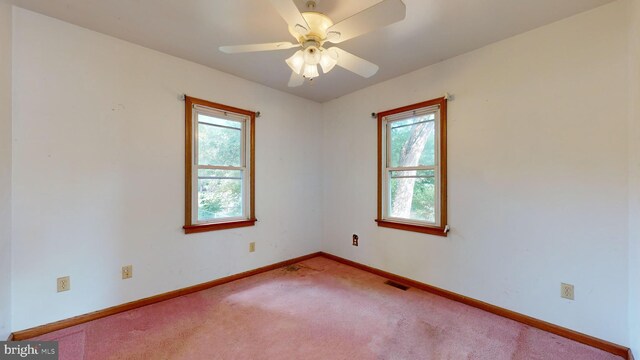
(441,229)
(189,225)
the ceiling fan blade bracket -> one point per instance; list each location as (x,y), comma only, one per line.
(300,29)
(291,15)
(333,36)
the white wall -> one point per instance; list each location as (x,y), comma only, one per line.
(544,173)
(5,170)
(537,174)
(98,166)
(634,176)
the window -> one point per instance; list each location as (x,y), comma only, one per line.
(219,171)
(412,167)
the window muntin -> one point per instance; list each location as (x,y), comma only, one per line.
(219,166)
(412,187)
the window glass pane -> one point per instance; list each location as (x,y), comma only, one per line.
(219,194)
(412,195)
(219,141)
(413,141)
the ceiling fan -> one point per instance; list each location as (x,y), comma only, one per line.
(312,30)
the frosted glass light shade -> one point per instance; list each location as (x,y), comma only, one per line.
(296,62)
(311,55)
(310,71)
(328,60)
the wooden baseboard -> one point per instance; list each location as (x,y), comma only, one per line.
(77,320)
(528,320)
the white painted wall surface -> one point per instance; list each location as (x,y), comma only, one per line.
(537,174)
(99,170)
(5,170)
(541,182)
(634,176)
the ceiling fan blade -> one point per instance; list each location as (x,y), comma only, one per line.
(290,13)
(382,14)
(354,64)
(295,80)
(235,49)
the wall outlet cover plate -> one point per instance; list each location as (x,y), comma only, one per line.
(567,291)
(64,283)
(127,272)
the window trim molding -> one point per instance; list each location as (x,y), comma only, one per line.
(189,226)
(408,226)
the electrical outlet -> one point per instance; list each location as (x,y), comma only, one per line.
(252,246)
(566,291)
(64,284)
(355,240)
(127,272)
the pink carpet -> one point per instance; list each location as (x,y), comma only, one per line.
(318,309)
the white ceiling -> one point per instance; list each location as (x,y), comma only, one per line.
(433,30)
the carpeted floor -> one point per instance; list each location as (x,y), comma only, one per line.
(318,309)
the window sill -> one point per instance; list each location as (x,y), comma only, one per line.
(198,228)
(438,231)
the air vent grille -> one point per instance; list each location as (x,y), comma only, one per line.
(396,285)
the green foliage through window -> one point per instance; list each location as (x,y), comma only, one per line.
(412,192)
(219,190)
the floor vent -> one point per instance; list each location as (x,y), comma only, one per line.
(396,285)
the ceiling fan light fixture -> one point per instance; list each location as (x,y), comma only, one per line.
(311,55)
(313,29)
(310,71)
(296,62)
(328,59)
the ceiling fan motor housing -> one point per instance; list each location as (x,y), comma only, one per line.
(318,25)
